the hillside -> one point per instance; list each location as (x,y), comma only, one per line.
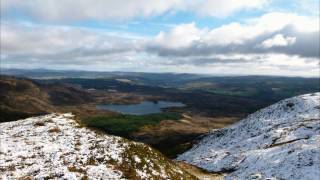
(21,98)
(55,146)
(281,141)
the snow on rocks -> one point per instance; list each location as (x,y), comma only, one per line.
(281,141)
(55,146)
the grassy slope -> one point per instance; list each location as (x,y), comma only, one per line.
(125,125)
(150,157)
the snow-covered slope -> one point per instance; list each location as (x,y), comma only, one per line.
(281,141)
(54,146)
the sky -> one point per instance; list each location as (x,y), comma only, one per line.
(230,37)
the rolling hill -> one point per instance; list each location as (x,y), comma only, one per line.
(21,98)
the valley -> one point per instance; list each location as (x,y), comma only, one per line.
(172,130)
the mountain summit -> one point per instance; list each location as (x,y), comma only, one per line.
(55,146)
(281,141)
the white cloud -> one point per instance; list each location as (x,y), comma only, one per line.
(295,34)
(61,44)
(278,40)
(70,10)
(180,36)
(86,9)
(220,8)
(236,33)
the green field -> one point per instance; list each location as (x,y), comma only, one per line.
(124,125)
(226,92)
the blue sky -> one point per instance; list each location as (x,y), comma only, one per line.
(267,37)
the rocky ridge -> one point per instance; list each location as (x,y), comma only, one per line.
(281,141)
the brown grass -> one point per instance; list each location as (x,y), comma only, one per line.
(39,123)
(54,130)
(75,169)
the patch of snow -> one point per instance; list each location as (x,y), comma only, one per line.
(54,146)
(281,141)
(137,159)
(51,146)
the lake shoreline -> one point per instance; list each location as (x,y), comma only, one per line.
(142,108)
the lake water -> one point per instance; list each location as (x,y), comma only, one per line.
(145,107)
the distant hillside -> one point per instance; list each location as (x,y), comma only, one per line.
(54,146)
(20,98)
(278,142)
(207,95)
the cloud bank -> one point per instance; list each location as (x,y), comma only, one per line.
(277,43)
(271,33)
(71,10)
